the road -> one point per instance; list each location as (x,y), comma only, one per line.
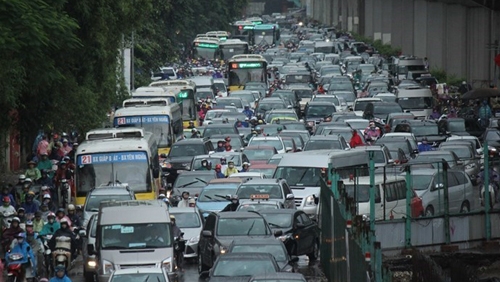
(312,272)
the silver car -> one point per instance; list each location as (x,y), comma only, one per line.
(190,223)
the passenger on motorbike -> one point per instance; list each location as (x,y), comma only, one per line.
(7,208)
(61,215)
(33,172)
(51,226)
(10,233)
(60,275)
(233,206)
(66,232)
(75,220)
(176,230)
(36,245)
(21,214)
(192,203)
(184,202)
(30,206)
(46,180)
(48,203)
(372,132)
(21,246)
(25,191)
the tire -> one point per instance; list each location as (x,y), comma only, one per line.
(429,211)
(314,254)
(201,267)
(89,276)
(465,208)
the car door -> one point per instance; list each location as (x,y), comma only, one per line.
(390,192)
(309,232)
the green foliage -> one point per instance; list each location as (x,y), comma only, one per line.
(443,77)
(385,50)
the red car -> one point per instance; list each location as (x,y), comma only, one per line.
(259,154)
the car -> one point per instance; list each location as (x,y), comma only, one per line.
(316,111)
(266,169)
(358,123)
(380,110)
(381,155)
(339,102)
(344,131)
(190,222)
(190,181)
(474,139)
(247,97)
(260,154)
(259,203)
(239,267)
(271,246)
(216,158)
(139,274)
(467,155)
(281,276)
(274,141)
(300,234)
(290,96)
(213,197)
(238,102)
(274,189)
(219,129)
(304,135)
(291,146)
(401,136)
(237,142)
(268,104)
(276,116)
(435,156)
(105,193)
(360,104)
(402,143)
(181,155)
(326,142)
(221,229)
(249,175)
(422,128)
(89,261)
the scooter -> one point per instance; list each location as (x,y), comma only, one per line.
(47,253)
(64,193)
(62,253)
(179,247)
(15,269)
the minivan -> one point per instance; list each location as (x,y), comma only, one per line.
(133,234)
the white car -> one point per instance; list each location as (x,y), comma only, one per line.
(248,175)
(360,104)
(139,274)
(190,223)
(274,141)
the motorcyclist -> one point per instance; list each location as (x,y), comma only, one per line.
(75,220)
(424,146)
(233,206)
(230,169)
(62,173)
(61,215)
(204,165)
(372,132)
(192,203)
(47,201)
(21,246)
(176,230)
(51,226)
(195,133)
(46,179)
(60,275)
(218,171)
(10,233)
(245,167)
(247,112)
(220,146)
(44,164)
(33,172)
(30,206)
(36,245)
(6,209)
(25,191)
(6,193)
(184,203)
(66,232)
(38,222)
(21,214)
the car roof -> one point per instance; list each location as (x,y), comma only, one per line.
(110,191)
(247,256)
(226,181)
(256,166)
(259,241)
(138,270)
(259,148)
(239,214)
(319,103)
(183,210)
(281,211)
(197,172)
(189,141)
(257,181)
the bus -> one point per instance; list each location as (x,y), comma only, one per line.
(246,68)
(232,47)
(266,34)
(255,20)
(185,91)
(242,30)
(126,156)
(153,92)
(133,102)
(221,35)
(165,122)
(206,47)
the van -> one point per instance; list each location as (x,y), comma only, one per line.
(390,195)
(133,234)
(416,100)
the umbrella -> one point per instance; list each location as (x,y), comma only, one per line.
(481,93)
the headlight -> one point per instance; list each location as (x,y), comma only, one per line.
(107,267)
(167,264)
(223,250)
(310,201)
(470,166)
(91,264)
(194,239)
(285,237)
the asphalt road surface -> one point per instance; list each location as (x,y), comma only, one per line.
(311,271)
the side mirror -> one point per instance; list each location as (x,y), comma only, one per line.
(163,156)
(205,273)
(206,233)
(82,233)
(290,197)
(460,163)
(278,233)
(378,200)
(294,259)
(90,249)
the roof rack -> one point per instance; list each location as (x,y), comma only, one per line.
(114,133)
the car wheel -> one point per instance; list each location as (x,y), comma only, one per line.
(465,208)
(429,211)
(201,267)
(314,254)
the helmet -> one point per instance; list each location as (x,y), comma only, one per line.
(43,280)
(192,201)
(61,210)
(21,210)
(185,192)
(234,197)
(71,207)
(66,158)
(246,163)
(51,214)
(16,219)
(31,194)
(45,187)
(218,166)
(22,177)
(161,196)
(46,196)
(28,180)
(172,217)
(29,223)
(62,162)
(63,220)
(6,199)
(38,214)
(20,235)
(166,201)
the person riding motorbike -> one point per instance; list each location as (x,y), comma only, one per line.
(61,215)
(30,206)
(38,222)
(10,233)
(75,220)
(176,230)
(51,226)
(66,232)
(372,132)
(21,246)
(233,206)
(46,180)
(48,203)
(184,202)
(25,190)
(21,214)
(7,209)
(218,171)
(192,203)
(45,165)
(33,172)
(230,169)
(60,275)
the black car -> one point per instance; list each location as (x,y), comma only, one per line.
(240,267)
(421,129)
(182,153)
(191,181)
(272,246)
(300,234)
(221,229)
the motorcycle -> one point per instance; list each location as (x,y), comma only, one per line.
(62,253)
(19,268)
(179,247)
(7,218)
(64,193)
(47,253)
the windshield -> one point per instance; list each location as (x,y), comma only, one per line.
(461,152)
(94,170)
(204,95)
(143,277)
(448,157)
(322,145)
(247,97)
(421,182)
(206,53)
(395,145)
(319,111)
(259,154)
(264,142)
(216,160)
(138,236)
(277,116)
(361,105)
(456,126)
(416,103)
(242,226)
(187,220)
(333,100)
(220,86)
(229,102)
(239,77)
(209,131)
(243,267)
(264,107)
(158,125)
(263,37)
(275,249)
(304,94)
(299,176)
(216,194)
(349,97)
(341,87)
(227,51)
(257,206)
(274,191)
(387,109)
(362,192)
(425,130)
(492,135)
(93,202)
(297,78)
(268,172)
(192,181)
(214,114)
(188,150)
(278,220)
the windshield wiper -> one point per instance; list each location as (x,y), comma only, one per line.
(210,198)
(187,184)
(201,180)
(251,227)
(274,224)
(301,177)
(114,248)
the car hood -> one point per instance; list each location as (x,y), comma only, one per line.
(211,206)
(191,232)
(231,279)
(304,191)
(177,160)
(137,256)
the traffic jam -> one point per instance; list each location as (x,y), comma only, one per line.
(213,172)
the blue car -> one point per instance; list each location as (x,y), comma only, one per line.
(214,197)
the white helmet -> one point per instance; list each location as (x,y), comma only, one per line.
(71,207)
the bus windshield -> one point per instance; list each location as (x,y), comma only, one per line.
(156,124)
(205,53)
(94,170)
(265,36)
(227,51)
(239,77)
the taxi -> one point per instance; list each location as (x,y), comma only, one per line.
(269,189)
(259,202)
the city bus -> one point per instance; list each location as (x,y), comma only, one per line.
(206,47)
(153,92)
(232,47)
(185,91)
(255,20)
(242,30)
(165,122)
(246,68)
(133,102)
(221,35)
(266,34)
(114,156)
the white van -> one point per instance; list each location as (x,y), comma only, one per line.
(393,188)
(416,100)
